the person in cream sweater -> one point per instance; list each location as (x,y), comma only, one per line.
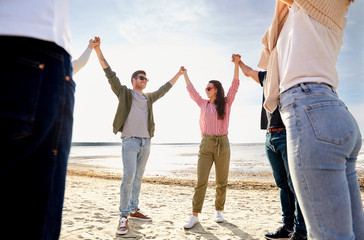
(323,139)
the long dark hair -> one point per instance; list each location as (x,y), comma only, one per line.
(220,99)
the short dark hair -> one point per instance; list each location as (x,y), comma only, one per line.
(136,73)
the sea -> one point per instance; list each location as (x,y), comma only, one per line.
(176,160)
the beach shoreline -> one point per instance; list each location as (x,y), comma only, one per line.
(241,180)
(92,199)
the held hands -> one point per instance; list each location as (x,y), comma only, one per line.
(236,58)
(92,43)
(96,42)
(182,70)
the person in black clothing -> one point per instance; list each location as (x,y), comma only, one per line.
(276,149)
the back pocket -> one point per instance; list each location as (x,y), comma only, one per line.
(19,95)
(331,122)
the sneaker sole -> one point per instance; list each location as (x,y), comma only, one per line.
(269,238)
(187,227)
(141,219)
(122,232)
(219,221)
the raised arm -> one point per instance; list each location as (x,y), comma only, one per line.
(176,77)
(114,81)
(230,96)
(79,63)
(249,72)
(154,96)
(191,89)
(99,54)
(185,75)
(236,60)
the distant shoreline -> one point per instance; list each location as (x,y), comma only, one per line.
(256,181)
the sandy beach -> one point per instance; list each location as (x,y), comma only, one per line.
(92,199)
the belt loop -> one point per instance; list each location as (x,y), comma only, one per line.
(304,88)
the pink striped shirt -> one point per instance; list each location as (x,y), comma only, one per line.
(209,122)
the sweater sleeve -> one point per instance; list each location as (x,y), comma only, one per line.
(79,63)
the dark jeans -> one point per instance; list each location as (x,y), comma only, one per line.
(276,149)
(36,117)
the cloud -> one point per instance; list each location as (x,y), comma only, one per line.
(161,35)
(161,22)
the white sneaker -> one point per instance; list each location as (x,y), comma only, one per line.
(122,226)
(191,222)
(219,218)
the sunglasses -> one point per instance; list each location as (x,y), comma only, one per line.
(209,88)
(142,78)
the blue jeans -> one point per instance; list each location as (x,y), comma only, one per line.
(276,150)
(323,142)
(36,117)
(135,153)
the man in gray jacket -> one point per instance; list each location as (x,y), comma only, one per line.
(134,119)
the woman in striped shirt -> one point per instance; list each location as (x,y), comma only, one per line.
(214,147)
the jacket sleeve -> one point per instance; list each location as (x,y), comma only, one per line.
(114,81)
(154,96)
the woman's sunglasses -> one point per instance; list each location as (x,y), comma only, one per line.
(142,78)
(209,88)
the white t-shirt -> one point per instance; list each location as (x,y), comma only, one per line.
(41,19)
(307,52)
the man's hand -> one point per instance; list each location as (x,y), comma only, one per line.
(182,70)
(99,54)
(248,71)
(92,44)
(96,41)
(236,58)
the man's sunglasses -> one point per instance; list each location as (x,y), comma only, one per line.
(142,78)
(209,88)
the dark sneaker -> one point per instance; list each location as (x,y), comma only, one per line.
(296,236)
(122,226)
(139,215)
(281,233)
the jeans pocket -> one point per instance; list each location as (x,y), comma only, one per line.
(330,121)
(21,80)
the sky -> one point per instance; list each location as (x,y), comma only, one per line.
(159,36)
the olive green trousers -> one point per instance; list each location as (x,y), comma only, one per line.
(213,149)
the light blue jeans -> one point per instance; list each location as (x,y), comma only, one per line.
(135,153)
(323,142)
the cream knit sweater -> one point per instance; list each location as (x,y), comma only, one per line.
(330,13)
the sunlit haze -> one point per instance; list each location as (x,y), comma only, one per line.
(159,36)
